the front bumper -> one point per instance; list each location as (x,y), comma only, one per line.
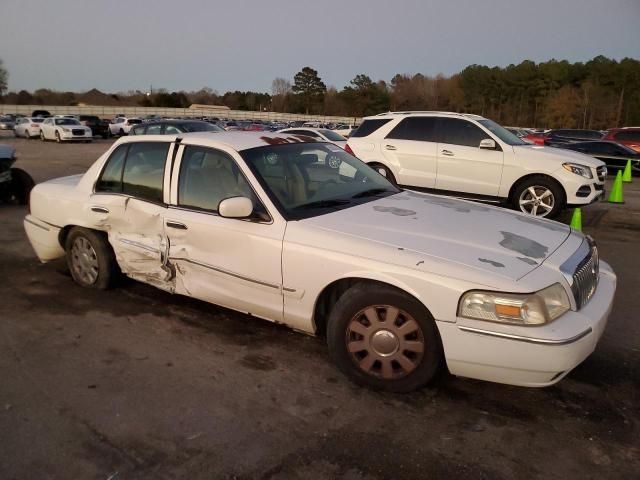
(529,356)
(69,136)
(580,191)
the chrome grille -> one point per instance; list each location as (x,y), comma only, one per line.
(585,278)
(602,173)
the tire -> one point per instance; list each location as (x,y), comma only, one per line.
(58,137)
(121,132)
(539,196)
(27,135)
(90,258)
(381,355)
(385,172)
(42,136)
(21,185)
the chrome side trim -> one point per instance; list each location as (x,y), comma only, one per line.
(231,274)
(142,246)
(36,224)
(520,338)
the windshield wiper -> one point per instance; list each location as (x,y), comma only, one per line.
(372,192)
(323,204)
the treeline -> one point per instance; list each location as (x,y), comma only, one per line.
(600,93)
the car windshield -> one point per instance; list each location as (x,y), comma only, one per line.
(309,179)
(201,127)
(502,133)
(67,121)
(333,136)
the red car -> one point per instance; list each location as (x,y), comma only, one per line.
(536,138)
(629,136)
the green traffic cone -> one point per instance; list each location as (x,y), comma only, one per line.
(616,191)
(626,176)
(576,220)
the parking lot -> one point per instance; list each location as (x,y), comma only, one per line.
(137,383)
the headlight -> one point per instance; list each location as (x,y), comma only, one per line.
(578,169)
(66,129)
(520,309)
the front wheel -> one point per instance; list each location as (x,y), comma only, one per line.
(538,196)
(90,259)
(382,338)
(58,139)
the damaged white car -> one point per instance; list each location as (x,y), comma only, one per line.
(304,234)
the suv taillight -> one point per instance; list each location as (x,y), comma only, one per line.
(347,149)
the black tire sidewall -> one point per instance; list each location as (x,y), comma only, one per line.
(363,295)
(107,267)
(21,185)
(556,189)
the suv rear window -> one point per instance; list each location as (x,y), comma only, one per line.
(369,126)
(456,131)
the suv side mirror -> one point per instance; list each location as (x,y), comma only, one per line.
(488,144)
(235,207)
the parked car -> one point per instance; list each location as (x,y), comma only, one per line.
(554,138)
(629,136)
(318,134)
(345,130)
(62,129)
(98,126)
(473,157)
(28,127)
(257,222)
(614,155)
(15,183)
(122,125)
(537,138)
(7,123)
(173,127)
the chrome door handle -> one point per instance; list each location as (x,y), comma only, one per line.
(178,225)
(447,153)
(100,209)
(390,147)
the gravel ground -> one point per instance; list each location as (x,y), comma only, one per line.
(135,383)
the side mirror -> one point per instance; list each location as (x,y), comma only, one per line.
(488,144)
(235,207)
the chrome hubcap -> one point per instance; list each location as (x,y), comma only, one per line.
(84,260)
(537,200)
(385,342)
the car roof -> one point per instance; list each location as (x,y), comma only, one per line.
(167,121)
(237,140)
(435,113)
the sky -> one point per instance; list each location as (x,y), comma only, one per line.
(118,45)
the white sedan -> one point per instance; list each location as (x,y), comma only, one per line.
(62,129)
(323,134)
(261,223)
(28,127)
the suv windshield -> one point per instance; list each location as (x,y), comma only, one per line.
(502,133)
(309,179)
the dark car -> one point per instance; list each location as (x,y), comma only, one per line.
(96,124)
(554,138)
(7,123)
(613,154)
(173,127)
(628,136)
(15,183)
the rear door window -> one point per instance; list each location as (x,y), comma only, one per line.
(369,126)
(415,128)
(111,178)
(456,131)
(143,173)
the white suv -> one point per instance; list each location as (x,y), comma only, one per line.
(472,157)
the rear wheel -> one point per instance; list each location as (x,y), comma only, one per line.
(90,259)
(58,139)
(42,137)
(384,171)
(21,185)
(27,135)
(383,338)
(121,132)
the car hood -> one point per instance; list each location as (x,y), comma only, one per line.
(560,155)
(473,239)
